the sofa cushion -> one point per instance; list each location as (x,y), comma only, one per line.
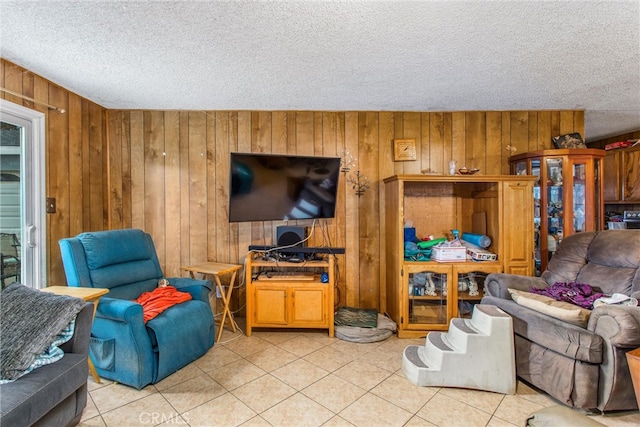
(561,337)
(29,398)
(559,309)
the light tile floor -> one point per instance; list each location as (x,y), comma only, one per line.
(304,378)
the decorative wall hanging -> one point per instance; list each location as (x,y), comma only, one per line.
(404,150)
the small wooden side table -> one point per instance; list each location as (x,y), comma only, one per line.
(88,294)
(217,269)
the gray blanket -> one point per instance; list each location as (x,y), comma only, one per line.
(30,319)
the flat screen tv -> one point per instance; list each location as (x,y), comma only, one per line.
(275,187)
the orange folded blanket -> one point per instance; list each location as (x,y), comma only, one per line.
(158,300)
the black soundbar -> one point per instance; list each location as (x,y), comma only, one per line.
(298,249)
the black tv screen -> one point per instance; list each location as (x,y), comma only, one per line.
(274,187)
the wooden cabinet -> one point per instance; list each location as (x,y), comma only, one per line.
(622,176)
(568,195)
(423,295)
(298,300)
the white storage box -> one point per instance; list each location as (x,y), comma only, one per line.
(478,254)
(449,253)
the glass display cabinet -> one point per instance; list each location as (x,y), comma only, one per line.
(568,195)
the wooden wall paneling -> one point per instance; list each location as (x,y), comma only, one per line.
(257,228)
(424,156)
(114,170)
(85,167)
(457,151)
(13,82)
(306,138)
(261,232)
(533,130)
(125,153)
(318,150)
(544,130)
(57,153)
(100,139)
(28,89)
(566,122)
(154,198)
(412,130)
(369,213)
(3,64)
(398,126)
(185,192)
(519,127)
(318,123)
(352,224)
(41,94)
(385,161)
(138,189)
(555,124)
(506,143)
(243,142)
(475,141)
(329,136)
(447,141)
(279,127)
(212,228)
(75,172)
(236,253)
(304,133)
(237,233)
(172,189)
(225,250)
(438,160)
(198,202)
(340,221)
(97,173)
(494,151)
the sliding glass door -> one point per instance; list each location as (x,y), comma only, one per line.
(22,196)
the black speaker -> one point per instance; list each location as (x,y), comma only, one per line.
(290,236)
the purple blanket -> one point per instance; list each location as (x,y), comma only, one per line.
(579,294)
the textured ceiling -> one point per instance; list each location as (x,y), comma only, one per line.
(349,55)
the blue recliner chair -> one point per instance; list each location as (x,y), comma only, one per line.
(122,347)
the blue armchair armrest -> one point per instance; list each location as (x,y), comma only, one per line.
(199,289)
(121,310)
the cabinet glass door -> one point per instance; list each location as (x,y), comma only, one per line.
(555,204)
(427,297)
(470,291)
(537,218)
(579,197)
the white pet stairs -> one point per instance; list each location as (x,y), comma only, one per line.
(476,353)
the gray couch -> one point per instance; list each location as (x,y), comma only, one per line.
(583,367)
(55,394)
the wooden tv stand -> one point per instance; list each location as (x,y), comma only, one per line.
(286,301)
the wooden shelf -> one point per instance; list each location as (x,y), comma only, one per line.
(436,205)
(288,302)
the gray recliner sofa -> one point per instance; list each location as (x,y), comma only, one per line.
(583,367)
(55,394)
